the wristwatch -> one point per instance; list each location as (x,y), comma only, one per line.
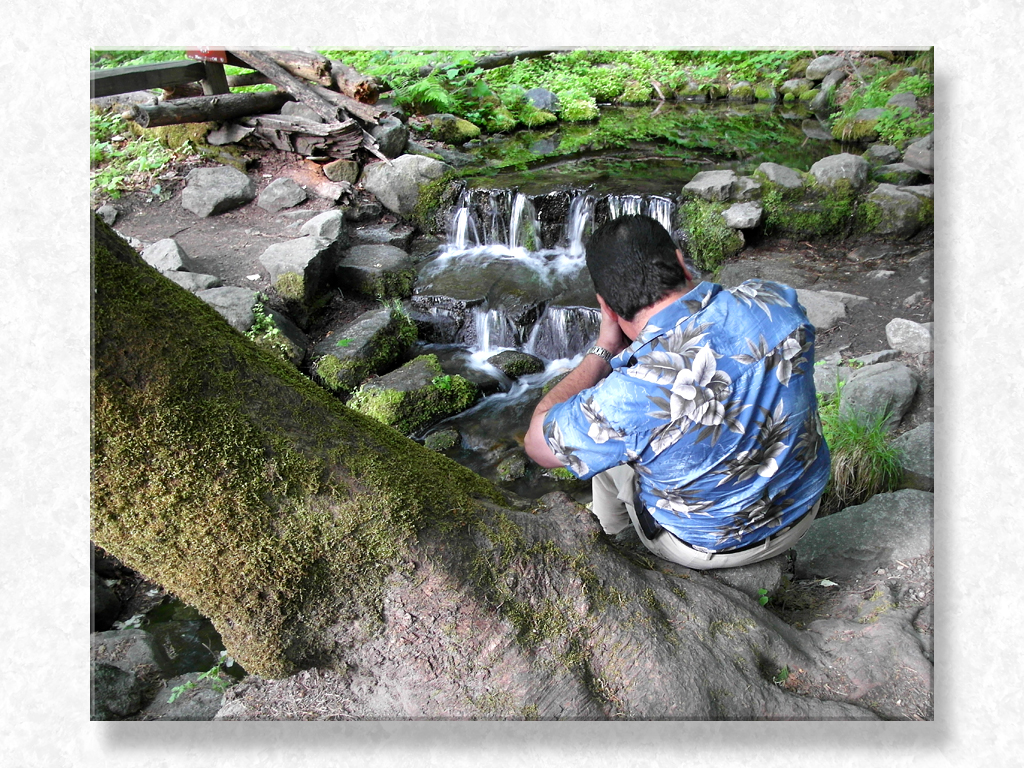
(601,352)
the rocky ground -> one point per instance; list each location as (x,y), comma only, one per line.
(895,277)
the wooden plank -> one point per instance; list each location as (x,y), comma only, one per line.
(142,77)
(216,81)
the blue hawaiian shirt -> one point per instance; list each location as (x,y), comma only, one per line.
(714,406)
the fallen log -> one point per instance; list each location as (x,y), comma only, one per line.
(338,140)
(495,60)
(365,112)
(203,109)
(309,66)
(298,89)
(358,86)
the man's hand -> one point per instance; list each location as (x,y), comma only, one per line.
(588,373)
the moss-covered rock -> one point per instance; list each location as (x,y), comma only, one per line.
(414,396)
(892,212)
(372,344)
(452,130)
(377,271)
(814,212)
(515,364)
(709,239)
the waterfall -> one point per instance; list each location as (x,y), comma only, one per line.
(523,228)
(563,332)
(579,222)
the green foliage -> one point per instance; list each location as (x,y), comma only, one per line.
(119,58)
(762,596)
(264,330)
(709,239)
(217,683)
(864,460)
(121,160)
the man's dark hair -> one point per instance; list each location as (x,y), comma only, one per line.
(632,261)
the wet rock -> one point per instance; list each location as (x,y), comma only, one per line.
(133,650)
(515,364)
(350,352)
(392,233)
(211,191)
(512,468)
(443,439)
(451,129)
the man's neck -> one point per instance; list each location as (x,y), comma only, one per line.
(640,319)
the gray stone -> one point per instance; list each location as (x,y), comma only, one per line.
(280,194)
(451,129)
(359,349)
(899,213)
(843,167)
(829,373)
(311,259)
(133,650)
(443,439)
(848,299)
(908,336)
(106,605)
(750,579)
(512,467)
(823,65)
(781,176)
(743,215)
(918,455)
(342,170)
(377,271)
(716,186)
(301,111)
(397,184)
(859,540)
(391,233)
(392,136)
(881,154)
(214,190)
(814,129)
(906,100)
(824,312)
(199,699)
(165,255)
(329,225)
(116,693)
(108,213)
(879,274)
(233,303)
(924,191)
(514,364)
(899,174)
(882,356)
(919,155)
(194,281)
(542,98)
(796,86)
(884,388)
(746,189)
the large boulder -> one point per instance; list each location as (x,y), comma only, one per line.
(302,269)
(116,693)
(781,175)
(377,271)
(837,169)
(370,345)
(209,191)
(452,130)
(823,65)
(893,212)
(884,388)
(716,186)
(823,311)
(744,215)
(917,453)
(397,184)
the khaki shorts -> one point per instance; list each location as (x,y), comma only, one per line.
(614,492)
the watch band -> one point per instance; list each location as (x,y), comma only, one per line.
(601,352)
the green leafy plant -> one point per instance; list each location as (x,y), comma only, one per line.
(213,674)
(782,676)
(762,596)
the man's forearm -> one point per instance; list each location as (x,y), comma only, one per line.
(589,372)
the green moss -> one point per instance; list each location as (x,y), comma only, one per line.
(224,475)
(812,212)
(291,285)
(578,107)
(535,118)
(428,204)
(181,136)
(635,92)
(342,373)
(709,239)
(409,412)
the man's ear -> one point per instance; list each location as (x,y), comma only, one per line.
(682,263)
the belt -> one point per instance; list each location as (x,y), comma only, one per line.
(754,544)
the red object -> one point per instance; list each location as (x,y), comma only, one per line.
(208,54)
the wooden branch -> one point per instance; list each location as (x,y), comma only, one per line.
(309,66)
(202,109)
(110,82)
(365,112)
(348,81)
(298,89)
(494,60)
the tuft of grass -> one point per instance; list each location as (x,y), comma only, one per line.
(864,460)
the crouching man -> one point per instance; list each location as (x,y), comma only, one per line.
(694,413)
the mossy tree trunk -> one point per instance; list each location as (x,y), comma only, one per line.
(314,537)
